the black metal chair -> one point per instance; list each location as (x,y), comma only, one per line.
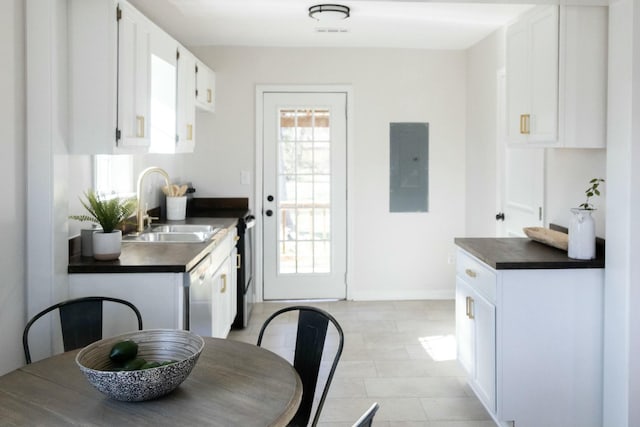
(366,420)
(310,342)
(80,321)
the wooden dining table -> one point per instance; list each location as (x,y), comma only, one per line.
(233,384)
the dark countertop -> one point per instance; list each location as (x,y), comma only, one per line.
(139,257)
(515,253)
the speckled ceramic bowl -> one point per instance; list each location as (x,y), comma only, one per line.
(153,345)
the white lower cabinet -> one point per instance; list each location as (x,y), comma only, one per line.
(165,299)
(531,342)
(224,296)
(476,332)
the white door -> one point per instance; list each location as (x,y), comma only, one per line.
(304,206)
(520,178)
(523,189)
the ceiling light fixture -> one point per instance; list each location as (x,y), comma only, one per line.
(329,12)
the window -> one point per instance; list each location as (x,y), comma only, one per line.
(113,175)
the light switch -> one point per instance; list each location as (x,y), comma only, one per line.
(245,177)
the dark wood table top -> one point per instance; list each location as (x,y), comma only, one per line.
(233,384)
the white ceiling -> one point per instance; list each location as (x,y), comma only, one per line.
(394,24)
(421,24)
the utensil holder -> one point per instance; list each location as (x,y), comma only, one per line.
(176,208)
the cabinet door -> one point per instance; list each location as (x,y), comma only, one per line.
(583,72)
(464,327)
(92,27)
(186,108)
(134,50)
(532,77)
(517,81)
(543,74)
(484,318)
(222,300)
(476,341)
(205,87)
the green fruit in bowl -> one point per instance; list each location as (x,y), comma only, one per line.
(123,351)
(134,365)
(150,365)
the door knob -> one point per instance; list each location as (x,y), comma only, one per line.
(269,212)
(500,216)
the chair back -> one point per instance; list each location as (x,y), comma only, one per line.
(310,342)
(367,418)
(80,321)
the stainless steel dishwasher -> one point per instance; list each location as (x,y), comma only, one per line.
(199,299)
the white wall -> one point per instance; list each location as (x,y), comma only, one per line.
(484,59)
(12,170)
(567,177)
(396,255)
(47,200)
(622,275)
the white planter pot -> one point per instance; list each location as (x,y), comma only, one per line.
(107,246)
(582,235)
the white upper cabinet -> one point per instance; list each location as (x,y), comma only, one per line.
(556,60)
(205,87)
(134,83)
(583,76)
(93,76)
(186,126)
(132,87)
(532,77)
(109,77)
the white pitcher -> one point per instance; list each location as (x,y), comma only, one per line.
(582,234)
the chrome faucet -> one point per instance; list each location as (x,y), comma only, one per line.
(142,214)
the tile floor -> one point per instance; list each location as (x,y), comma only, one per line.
(398,353)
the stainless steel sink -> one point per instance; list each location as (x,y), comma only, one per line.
(184,228)
(170,237)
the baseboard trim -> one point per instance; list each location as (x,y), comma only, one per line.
(397,295)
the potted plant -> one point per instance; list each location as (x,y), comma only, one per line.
(582,229)
(110,214)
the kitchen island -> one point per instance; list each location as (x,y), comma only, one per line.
(529,329)
(174,285)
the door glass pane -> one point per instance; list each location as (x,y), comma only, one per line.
(321,157)
(321,128)
(304,221)
(321,222)
(287,162)
(287,125)
(305,157)
(304,125)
